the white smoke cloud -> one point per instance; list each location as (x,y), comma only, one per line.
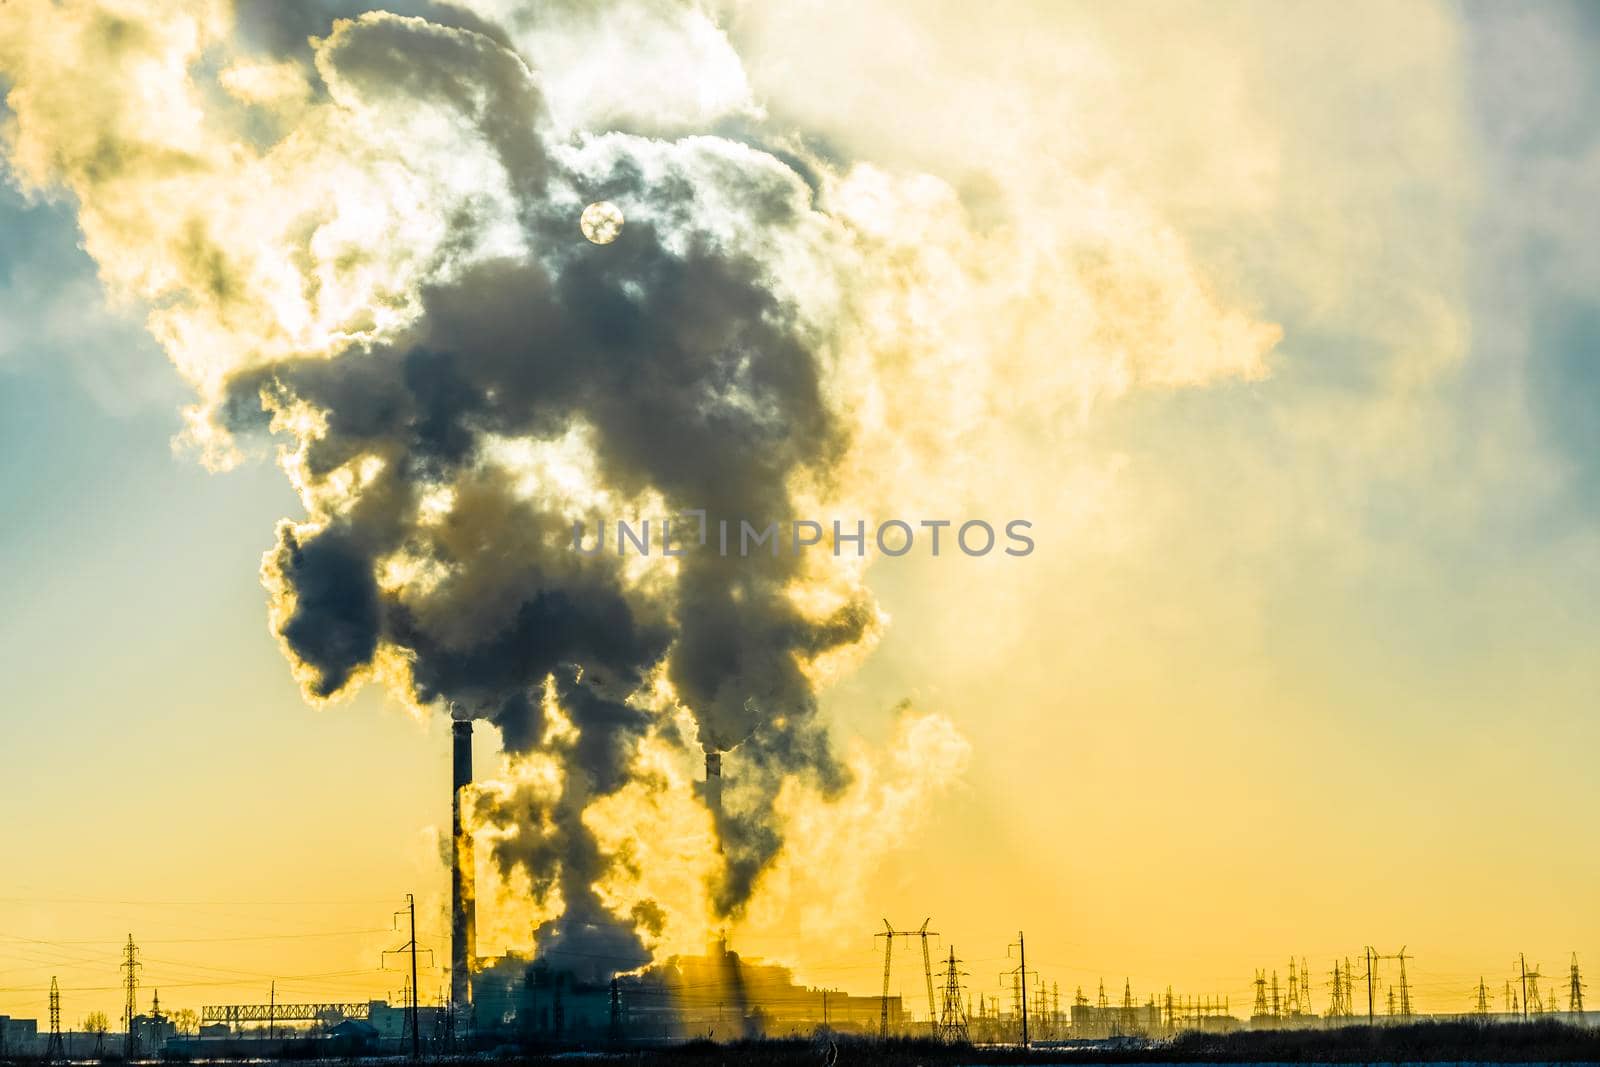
(289,221)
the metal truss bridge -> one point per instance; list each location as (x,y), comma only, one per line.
(282,1013)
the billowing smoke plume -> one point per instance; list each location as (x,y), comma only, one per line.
(360,235)
(688,377)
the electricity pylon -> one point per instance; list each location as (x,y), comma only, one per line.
(130,985)
(1482,1008)
(1261,994)
(1575,992)
(1336,1005)
(952,1020)
(53,1052)
(1530,985)
(889,933)
(1405,988)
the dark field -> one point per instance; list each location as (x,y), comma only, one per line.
(1453,1043)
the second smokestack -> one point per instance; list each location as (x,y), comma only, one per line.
(463,903)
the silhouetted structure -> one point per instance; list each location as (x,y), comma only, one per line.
(54,1050)
(463,889)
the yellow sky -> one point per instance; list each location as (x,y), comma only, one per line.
(1302,663)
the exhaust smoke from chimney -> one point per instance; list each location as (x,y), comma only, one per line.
(714,783)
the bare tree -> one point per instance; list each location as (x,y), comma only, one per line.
(186,1021)
(97,1024)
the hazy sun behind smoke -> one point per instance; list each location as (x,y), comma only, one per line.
(601,222)
(368,248)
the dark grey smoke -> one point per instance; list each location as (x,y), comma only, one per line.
(697,380)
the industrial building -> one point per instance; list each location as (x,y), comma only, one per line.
(718,996)
(18,1037)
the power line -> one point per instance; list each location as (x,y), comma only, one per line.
(194,940)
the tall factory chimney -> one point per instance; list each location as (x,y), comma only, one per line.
(463,889)
(714,781)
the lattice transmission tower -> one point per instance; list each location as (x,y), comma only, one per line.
(1405,987)
(952,1020)
(130,986)
(889,933)
(1336,1003)
(1531,1004)
(54,1052)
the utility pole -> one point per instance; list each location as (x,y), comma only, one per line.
(272,1011)
(53,1052)
(416,1030)
(130,986)
(1020,977)
(411,948)
(1371,956)
(1522,962)
(888,953)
